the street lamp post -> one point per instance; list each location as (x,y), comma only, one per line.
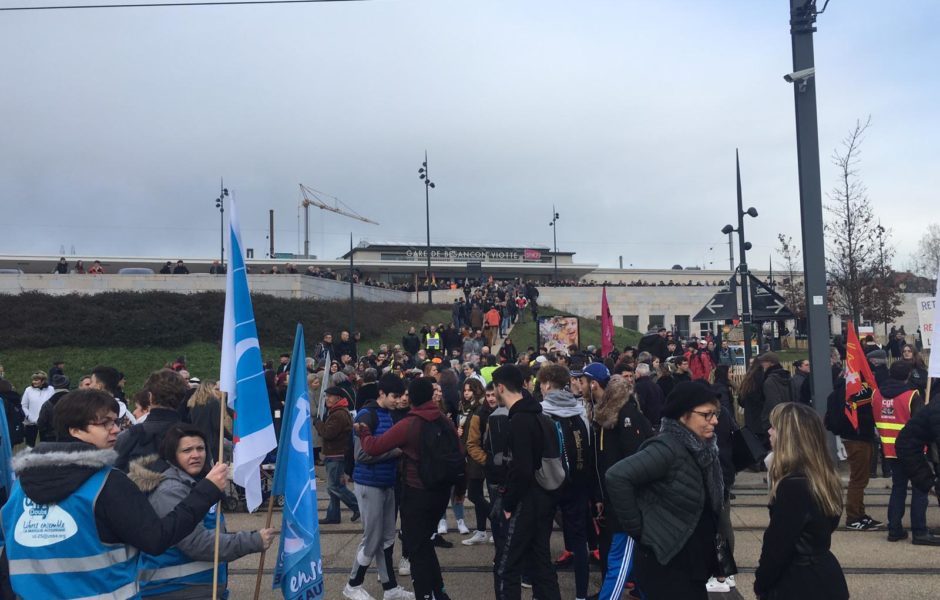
(555,243)
(220,204)
(743,247)
(424,175)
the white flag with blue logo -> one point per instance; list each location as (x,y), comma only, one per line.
(299,570)
(242,374)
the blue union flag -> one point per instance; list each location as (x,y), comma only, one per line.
(299,570)
(242,375)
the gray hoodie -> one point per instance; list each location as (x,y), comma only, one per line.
(562,403)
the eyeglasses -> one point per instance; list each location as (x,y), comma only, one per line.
(707,415)
(108,424)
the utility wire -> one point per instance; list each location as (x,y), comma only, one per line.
(163,4)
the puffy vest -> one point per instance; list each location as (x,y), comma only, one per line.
(382,474)
(173,570)
(434,341)
(891,415)
(55,552)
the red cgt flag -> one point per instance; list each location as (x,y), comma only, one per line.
(857,375)
(607,326)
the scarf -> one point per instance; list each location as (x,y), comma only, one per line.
(562,403)
(705,453)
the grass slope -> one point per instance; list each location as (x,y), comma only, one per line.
(523,334)
(202,357)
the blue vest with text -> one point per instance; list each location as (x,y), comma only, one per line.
(173,570)
(55,552)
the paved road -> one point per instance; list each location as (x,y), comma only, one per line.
(874,568)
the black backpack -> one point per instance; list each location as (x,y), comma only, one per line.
(576,448)
(442,463)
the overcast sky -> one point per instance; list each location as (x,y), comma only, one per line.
(117,124)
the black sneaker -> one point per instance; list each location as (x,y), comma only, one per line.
(440,542)
(355,516)
(873,523)
(860,525)
(925,539)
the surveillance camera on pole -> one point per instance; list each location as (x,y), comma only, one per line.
(800,77)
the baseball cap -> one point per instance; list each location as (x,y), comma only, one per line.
(596,371)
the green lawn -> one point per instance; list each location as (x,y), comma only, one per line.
(203,358)
(523,334)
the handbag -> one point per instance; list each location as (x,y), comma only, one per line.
(726,564)
(746,449)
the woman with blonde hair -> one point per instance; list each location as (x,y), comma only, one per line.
(205,413)
(805,508)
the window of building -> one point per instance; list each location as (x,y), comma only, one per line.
(656,321)
(682,325)
(631,322)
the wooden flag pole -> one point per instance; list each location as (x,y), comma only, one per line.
(267,525)
(927,399)
(218,507)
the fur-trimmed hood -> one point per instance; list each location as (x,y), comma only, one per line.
(142,472)
(52,471)
(616,395)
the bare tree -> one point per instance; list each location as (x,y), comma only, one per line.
(926,262)
(851,255)
(792,286)
(881,296)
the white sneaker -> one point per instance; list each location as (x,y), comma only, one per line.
(404,567)
(356,593)
(713,585)
(730,581)
(398,593)
(442,527)
(462,527)
(478,537)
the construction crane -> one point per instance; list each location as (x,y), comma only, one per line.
(312,197)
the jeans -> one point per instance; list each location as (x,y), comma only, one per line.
(858,454)
(337,489)
(898,499)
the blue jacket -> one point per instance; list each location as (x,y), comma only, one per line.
(375,471)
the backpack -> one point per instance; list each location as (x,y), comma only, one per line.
(553,471)
(442,463)
(576,449)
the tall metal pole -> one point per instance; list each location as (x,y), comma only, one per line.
(221,222)
(730,253)
(352,289)
(424,175)
(745,294)
(306,231)
(555,243)
(271,232)
(802,25)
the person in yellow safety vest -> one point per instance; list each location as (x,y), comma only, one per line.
(432,341)
(893,406)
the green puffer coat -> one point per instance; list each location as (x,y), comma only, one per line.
(658,495)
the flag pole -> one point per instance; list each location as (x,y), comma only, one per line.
(218,508)
(267,525)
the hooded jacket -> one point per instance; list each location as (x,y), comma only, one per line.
(525,439)
(619,429)
(335,430)
(45,422)
(53,471)
(405,434)
(168,489)
(144,439)
(775,389)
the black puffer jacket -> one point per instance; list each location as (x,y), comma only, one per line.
(922,430)
(658,495)
(775,389)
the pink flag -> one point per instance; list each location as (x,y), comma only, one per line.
(607,326)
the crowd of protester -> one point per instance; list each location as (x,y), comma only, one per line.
(633,453)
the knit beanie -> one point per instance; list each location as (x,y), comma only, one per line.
(685,396)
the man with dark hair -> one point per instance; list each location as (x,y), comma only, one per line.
(167,389)
(528,508)
(421,506)
(73,481)
(375,478)
(109,379)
